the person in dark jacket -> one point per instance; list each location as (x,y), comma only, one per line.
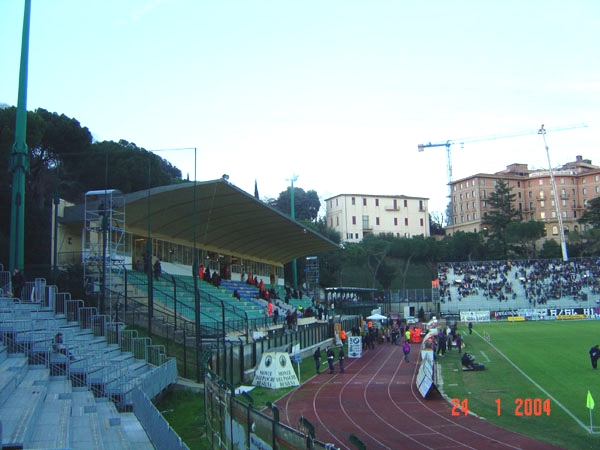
(330,357)
(341,356)
(18,283)
(317,358)
(594,355)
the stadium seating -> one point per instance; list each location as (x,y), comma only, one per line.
(494,285)
(78,395)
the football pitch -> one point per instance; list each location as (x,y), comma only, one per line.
(536,379)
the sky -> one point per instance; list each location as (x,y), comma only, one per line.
(336,93)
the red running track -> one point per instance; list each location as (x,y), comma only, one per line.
(376,400)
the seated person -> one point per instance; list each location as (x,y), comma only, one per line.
(59,347)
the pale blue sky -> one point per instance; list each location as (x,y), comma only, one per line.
(339,93)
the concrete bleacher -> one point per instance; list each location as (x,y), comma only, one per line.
(79,399)
(520,285)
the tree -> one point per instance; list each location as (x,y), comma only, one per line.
(550,250)
(463,246)
(306,204)
(502,212)
(436,224)
(526,234)
(376,250)
(591,215)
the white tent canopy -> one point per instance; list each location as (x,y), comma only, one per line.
(376,317)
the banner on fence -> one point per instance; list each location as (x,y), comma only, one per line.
(275,371)
(474,316)
(354,347)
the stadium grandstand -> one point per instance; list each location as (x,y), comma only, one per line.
(77,374)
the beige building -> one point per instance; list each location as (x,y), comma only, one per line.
(576,182)
(355,216)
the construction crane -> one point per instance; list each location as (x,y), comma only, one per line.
(448,144)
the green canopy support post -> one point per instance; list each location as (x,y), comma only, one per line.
(19,157)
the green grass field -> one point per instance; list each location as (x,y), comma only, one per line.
(525,364)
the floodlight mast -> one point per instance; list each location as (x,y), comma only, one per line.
(448,144)
(561,232)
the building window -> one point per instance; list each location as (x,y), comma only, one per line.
(376,220)
(562,181)
(365,222)
(376,202)
(541,182)
(354,200)
(353,220)
(542,215)
(555,230)
(483,182)
(422,222)
(406,221)
(468,217)
(406,203)
(542,204)
(337,221)
(396,221)
(583,180)
(420,205)
(364,201)
(584,191)
(395,204)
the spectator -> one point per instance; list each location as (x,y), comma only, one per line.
(18,283)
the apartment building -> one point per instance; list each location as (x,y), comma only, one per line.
(355,216)
(576,182)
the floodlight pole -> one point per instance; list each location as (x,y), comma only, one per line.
(561,230)
(19,156)
(293,216)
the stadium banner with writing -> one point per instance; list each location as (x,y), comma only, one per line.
(275,371)
(354,346)
(474,316)
(548,314)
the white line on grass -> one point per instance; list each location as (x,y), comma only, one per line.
(584,426)
(485,356)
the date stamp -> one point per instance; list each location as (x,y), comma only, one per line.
(523,407)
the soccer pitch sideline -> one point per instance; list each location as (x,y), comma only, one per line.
(536,379)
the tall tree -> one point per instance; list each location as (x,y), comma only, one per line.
(502,212)
(306,203)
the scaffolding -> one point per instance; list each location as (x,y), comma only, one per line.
(311,270)
(103,255)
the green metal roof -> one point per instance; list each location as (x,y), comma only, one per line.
(226,219)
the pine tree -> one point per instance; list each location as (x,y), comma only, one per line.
(502,211)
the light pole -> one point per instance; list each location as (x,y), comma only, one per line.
(561,230)
(293,216)
(19,157)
